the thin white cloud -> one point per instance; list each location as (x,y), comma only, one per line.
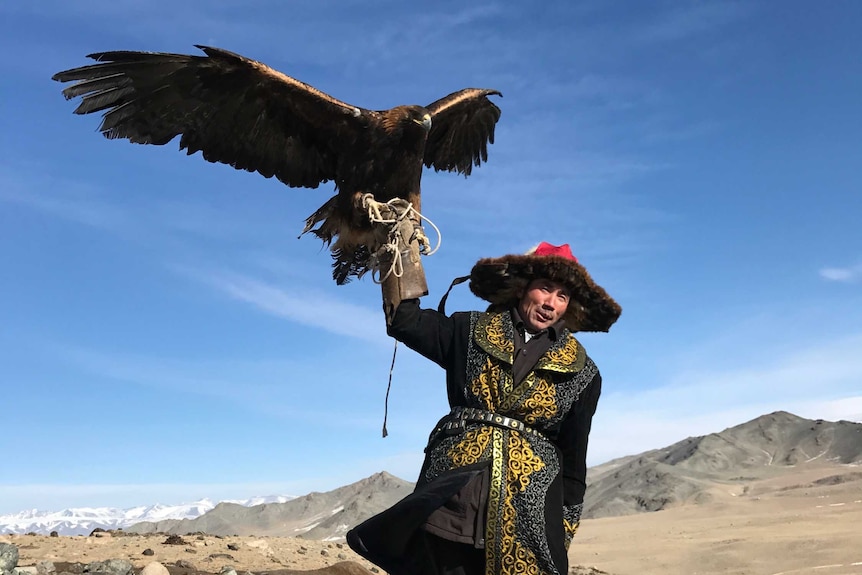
(690,20)
(256,385)
(849,274)
(306,306)
(74,202)
(167,223)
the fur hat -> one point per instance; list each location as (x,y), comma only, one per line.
(502,281)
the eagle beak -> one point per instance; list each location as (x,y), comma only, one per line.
(425,122)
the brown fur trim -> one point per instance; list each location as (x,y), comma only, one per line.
(502,281)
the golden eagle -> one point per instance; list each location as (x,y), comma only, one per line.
(240,112)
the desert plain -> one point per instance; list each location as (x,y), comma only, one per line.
(791,523)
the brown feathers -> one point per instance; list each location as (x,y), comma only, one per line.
(242,113)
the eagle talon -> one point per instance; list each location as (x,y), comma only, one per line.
(372,208)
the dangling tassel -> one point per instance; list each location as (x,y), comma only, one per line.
(388,387)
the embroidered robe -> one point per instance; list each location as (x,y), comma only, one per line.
(537,481)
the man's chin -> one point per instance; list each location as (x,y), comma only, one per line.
(536,326)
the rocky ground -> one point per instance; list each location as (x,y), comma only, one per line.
(187,554)
(787,524)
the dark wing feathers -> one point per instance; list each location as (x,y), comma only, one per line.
(462,126)
(232,109)
(240,112)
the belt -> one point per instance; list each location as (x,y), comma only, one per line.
(460,415)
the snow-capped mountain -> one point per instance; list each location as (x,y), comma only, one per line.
(83,520)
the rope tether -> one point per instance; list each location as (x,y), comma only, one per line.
(392,213)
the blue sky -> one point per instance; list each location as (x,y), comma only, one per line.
(165,336)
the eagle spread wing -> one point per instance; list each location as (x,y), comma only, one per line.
(242,113)
(462,126)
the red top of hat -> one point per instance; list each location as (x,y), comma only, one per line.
(563,251)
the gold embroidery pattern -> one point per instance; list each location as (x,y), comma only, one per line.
(522,462)
(522,561)
(494,334)
(565,356)
(541,403)
(571,521)
(470,449)
(507,556)
(570,529)
(497,335)
(511,397)
(495,495)
(485,388)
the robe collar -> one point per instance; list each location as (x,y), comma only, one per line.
(495,332)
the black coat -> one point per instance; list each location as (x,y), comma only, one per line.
(537,480)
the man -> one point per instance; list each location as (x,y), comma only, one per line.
(502,485)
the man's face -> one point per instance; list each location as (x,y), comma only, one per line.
(543,304)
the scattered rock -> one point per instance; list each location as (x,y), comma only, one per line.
(583,570)
(155,568)
(8,557)
(110,567)
(227,556)
(174,540)
(85,555)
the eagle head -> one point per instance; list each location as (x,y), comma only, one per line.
(400,118)
(422,117)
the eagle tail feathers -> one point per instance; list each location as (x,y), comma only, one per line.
(349,261)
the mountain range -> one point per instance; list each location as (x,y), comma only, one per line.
(695,469)
(692,471)
(326,516)
(83,520)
